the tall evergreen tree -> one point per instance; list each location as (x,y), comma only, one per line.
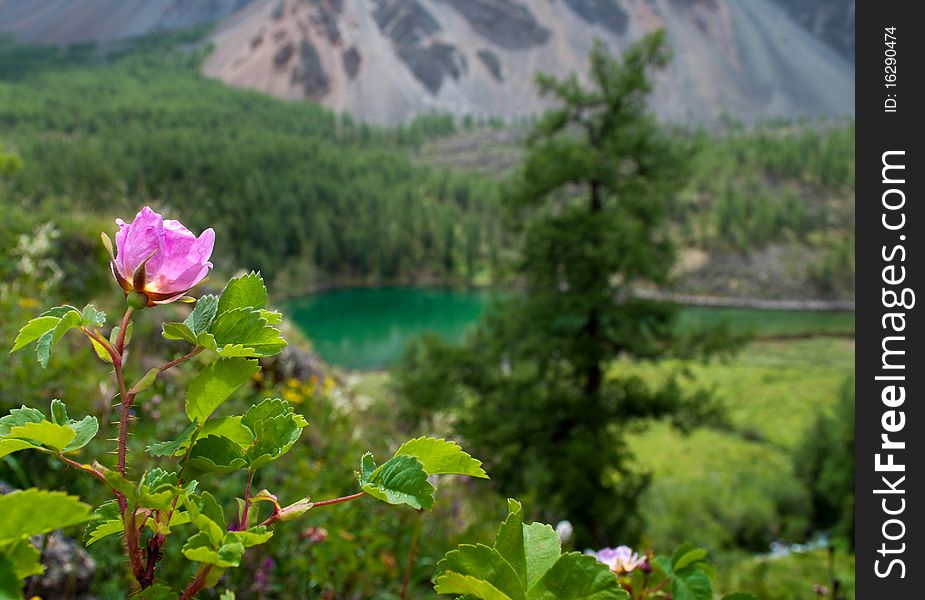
(532,385)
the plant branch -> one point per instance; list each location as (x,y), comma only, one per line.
(197,584)
(82,467)
(279,514)
(242,524)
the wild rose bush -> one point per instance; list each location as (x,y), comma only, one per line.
(156,262)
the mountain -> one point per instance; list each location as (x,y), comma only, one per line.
(387,60)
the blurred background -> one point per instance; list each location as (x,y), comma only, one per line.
(378,161)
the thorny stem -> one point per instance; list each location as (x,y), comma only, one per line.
(82,467)
(197,584)
(412,551)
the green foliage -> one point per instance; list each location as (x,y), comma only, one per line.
(824,462)
(525,563)
(528,387)
(295,190)
(214,384)
(27,513)
(27,427)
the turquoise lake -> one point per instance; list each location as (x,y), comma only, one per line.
(368,328)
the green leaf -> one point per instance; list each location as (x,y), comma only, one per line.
(509,541)
(34,512)
(472,586)
(114,334)
(214,384)
(26,559)
(106,521)
(10,585)
(199,548)
(690,583)
(275,427)
(253,536)
(10,446)
(69,319)
(158,591)
(90,317)
(577,576)
(247,332)
(401,480)
(33,330)
(686,555)
(541,543)
(483,563)
(367,467)
(20,416)
(203,314)
(58,412)
(84,431)
(100,351)
(45,433)
(176,446)
(442,457)
(178,331)
(246,291)
(231,428)
(216,454)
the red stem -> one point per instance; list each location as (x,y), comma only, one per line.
(279,514)
(197,584)
(242,525)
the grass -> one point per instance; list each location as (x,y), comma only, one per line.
(770,323)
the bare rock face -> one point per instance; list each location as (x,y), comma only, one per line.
(385,61)
(607,13)
(503,22)
(309,73)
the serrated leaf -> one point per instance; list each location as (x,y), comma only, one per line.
(106,521)
(442,457)
(45,433)
(84,431)
(275,427)
(245,291)
(178,331)
(176,446)
(543,548)
(273,317)
(509,541)
(33,330)
(214,384)
(199,548)
(91,317)
(473,587)
(253,536)
(8,446)
(47,342)
(486,564)
(577,576)
(216,454)
(367,467)
(401,480)
(202,315)
(246,328)
(20,416)
(34,512)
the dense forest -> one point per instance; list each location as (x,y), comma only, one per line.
(112,127)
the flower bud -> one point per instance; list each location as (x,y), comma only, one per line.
(136,300)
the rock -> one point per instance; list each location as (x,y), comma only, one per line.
(503,22)
(69,570)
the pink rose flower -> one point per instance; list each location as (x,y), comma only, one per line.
(160,259)
(620,560)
